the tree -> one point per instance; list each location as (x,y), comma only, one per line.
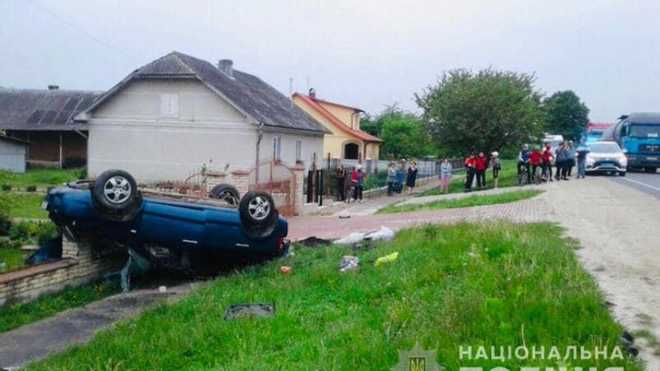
(483,111)
(404,136)
(565,114)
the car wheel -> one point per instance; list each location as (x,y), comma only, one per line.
(227,193)
(258,214)
(116,196)
(622,173)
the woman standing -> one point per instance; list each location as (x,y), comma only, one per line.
(341,182)
(357,178)
(445,175)
(411,178)
(497,166)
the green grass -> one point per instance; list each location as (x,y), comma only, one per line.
(26,205)
(38,177)
(508,178)
(465,285)
(12,257)
(16,315)
(475,200)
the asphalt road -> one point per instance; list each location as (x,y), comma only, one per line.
(645,182)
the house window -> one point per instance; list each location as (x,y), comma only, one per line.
(277,148)
(299,153)
(169,105)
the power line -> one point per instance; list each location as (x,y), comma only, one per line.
(79,29)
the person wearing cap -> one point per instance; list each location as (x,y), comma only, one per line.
(497,166)
(523,162)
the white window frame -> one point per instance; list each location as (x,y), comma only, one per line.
(299,151)
(277,148)
(169,105)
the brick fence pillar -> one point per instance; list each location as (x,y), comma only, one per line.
(213,178)
(70,249)
(298,196)
(241,180)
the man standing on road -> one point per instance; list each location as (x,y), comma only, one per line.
(341,182)
(562,161)
(582,152)
(523,162)
(547,163)
(571,157)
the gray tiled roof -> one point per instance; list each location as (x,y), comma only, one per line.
(247,93)
(22,109)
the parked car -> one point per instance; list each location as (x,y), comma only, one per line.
(170,234)
(606,157)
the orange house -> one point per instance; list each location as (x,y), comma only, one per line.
(346,140)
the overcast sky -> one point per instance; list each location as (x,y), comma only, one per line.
(367,53)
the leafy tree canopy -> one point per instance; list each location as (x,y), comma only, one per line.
(404,135)
(565,114)
(483,111)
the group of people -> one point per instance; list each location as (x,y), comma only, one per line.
(476,166)
(396,175)
(356,176)
(536,165)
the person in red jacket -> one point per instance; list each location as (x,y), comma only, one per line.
(481,163)
(536,160)
(547,163)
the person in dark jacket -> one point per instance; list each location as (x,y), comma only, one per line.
(481,163)
(571,158)
(340,174)
(562,162)
(523,163)
(470,164)
(411,177)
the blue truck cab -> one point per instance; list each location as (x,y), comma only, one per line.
(638,134)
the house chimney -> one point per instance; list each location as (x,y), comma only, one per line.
(226,66)
(312,92)
(53,87)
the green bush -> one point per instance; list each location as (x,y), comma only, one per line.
(32,231)
(6,187)
(4,214)
(31,188)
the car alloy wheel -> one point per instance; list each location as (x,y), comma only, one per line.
(259,208)
(117,189)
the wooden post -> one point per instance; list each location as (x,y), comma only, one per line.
(61,160)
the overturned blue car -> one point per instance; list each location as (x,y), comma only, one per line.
(169,234)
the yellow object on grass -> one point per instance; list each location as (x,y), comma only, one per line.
(387,259)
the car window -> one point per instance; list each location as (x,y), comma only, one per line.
(645,131)
(605,148)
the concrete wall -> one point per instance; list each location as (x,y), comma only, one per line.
(165,130)
(12,156)
(80,264)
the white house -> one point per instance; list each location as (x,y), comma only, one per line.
(171,116)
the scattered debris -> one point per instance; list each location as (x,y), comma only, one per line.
(344,215)
(314,241)
(237,311)
(629,343)
(383,234)
(162,289)
(285,269)
(349,262)
(387,258)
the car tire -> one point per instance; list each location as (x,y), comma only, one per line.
(116,196)
(227,193)
(622,173)
(258,214)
